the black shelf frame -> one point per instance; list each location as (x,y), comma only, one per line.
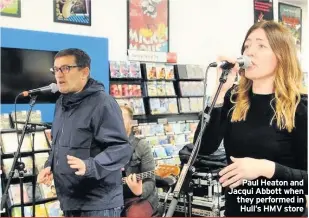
(24,154)
(37,202)
(32,128)
(148,117)
(114,79)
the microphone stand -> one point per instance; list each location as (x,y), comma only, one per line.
(20,166)
(33,171)
(188,167)
(43,125)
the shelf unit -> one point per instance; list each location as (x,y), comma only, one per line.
(160,94)
(34,153)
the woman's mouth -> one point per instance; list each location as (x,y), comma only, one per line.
(252,66)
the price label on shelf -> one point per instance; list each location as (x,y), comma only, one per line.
(134,122)
(162,121)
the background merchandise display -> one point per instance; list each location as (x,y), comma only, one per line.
(34,153)
(166,101)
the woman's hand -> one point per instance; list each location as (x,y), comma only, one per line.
(245,169)
(232,75)
(230,78)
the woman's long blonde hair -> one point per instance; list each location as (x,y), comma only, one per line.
(288,83)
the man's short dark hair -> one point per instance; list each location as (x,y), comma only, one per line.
(81,57)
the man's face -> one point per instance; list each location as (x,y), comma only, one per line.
(70,78)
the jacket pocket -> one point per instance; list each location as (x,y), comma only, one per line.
(68,178)
(75,151)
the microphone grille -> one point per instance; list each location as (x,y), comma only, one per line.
(54,87)
(246,62)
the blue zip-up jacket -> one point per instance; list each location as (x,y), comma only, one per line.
(89,125)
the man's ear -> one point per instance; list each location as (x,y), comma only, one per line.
(86,73)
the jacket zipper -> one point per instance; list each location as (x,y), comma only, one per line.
(60,136)
(62,127)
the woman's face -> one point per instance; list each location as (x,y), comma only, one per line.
(126,120)
(263,59)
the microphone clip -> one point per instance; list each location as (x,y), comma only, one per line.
(224,65)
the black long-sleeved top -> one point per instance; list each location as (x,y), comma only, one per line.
(256,138)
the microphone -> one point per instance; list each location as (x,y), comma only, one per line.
(243,62)
(51,88)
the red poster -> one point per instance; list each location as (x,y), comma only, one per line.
(148,25)
(263,10)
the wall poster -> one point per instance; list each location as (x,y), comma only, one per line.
(263,10)
(148,25)
(10,8)
(73,12)
(291,17)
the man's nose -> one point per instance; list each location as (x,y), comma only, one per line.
(58,74)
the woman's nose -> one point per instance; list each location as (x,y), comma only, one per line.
(250,51)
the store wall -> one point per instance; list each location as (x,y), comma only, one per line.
(200,30)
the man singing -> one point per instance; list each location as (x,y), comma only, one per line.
(89,142)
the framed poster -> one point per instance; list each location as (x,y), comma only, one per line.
(263,10)
(10,8)
(73,12)
(148,25)
(291,17)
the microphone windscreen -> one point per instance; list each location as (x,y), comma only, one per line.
(246,62)
(54,88)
